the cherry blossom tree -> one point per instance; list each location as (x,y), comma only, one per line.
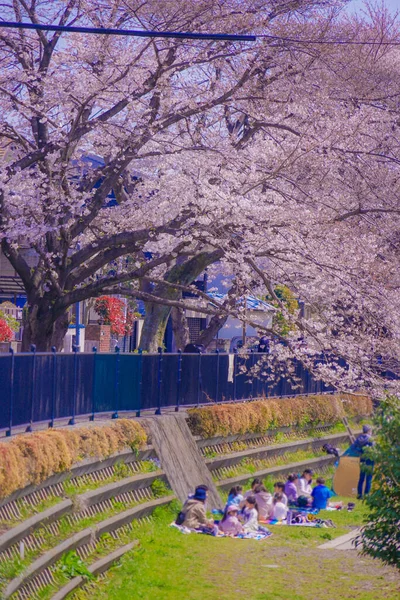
(127,100)
(310,191)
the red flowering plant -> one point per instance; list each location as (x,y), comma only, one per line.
(8,324)
(112,311)
(6,333)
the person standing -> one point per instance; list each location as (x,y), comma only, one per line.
(363,442)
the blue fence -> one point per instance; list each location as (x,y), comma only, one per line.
(44,387)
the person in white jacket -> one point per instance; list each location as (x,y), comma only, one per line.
(304,482)
(279,510)
(249,515)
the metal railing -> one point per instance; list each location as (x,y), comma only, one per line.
(38,387)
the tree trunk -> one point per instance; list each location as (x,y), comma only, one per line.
(157,315)
(209,333)
(180,327)
(153,331)
(44,328)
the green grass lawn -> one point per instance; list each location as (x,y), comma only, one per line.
(289,566)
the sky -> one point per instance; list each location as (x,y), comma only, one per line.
(391,4)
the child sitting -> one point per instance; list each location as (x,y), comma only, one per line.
(249,515)
(264,501)
(235,496)
(321,494)
(279,488)
(291,489)
(230,524)
(280,509)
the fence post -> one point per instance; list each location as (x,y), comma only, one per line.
(116,383)
(75,387)
(179,381)
(252,369)
(199,381)
(94,350)
(33,350)
(217,382)
(54,384)
(8,433)
(234,373)
(140,381)
(159,380)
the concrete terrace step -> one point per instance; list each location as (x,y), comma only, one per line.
(85,467)
(97,568)
(80,539)
(226,460)
(80,502)
(321,461)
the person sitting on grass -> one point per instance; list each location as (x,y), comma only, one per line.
(230,524)
(195,513)
(304,482)
(250,492)
(291,489)
(264,501)
(235,496)
(249,515)
(321,494)
(279,508)
(279,488)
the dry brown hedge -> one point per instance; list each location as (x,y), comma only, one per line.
(262,415)
(34,457)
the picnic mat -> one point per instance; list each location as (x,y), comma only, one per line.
(256,535)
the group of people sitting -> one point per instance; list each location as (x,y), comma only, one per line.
(236,520)
(297,492)
(244,511)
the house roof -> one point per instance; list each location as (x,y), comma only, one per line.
(252,303)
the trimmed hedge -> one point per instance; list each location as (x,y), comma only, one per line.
(31,459)
(260,416)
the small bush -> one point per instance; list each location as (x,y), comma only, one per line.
(380,538)
(263,415)
(32,458)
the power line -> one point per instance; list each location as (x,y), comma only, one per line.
(230,37)
(329,42)
(130,32)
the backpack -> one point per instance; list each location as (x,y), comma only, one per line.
(180,518)
(302,501)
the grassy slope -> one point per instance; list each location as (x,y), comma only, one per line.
(172,566)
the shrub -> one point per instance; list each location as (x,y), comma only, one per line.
(34,457)
(380,538)
(262,415)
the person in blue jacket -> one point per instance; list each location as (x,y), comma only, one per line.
(321,494)
(363,442)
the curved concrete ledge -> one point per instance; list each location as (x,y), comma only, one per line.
(227,460)
(242,437)
(90,465)
(80,539)
(14,535)
(82,501)
(322,461)
(136,482)
(239,437)
(49,558)
(98,567)
(127,516)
